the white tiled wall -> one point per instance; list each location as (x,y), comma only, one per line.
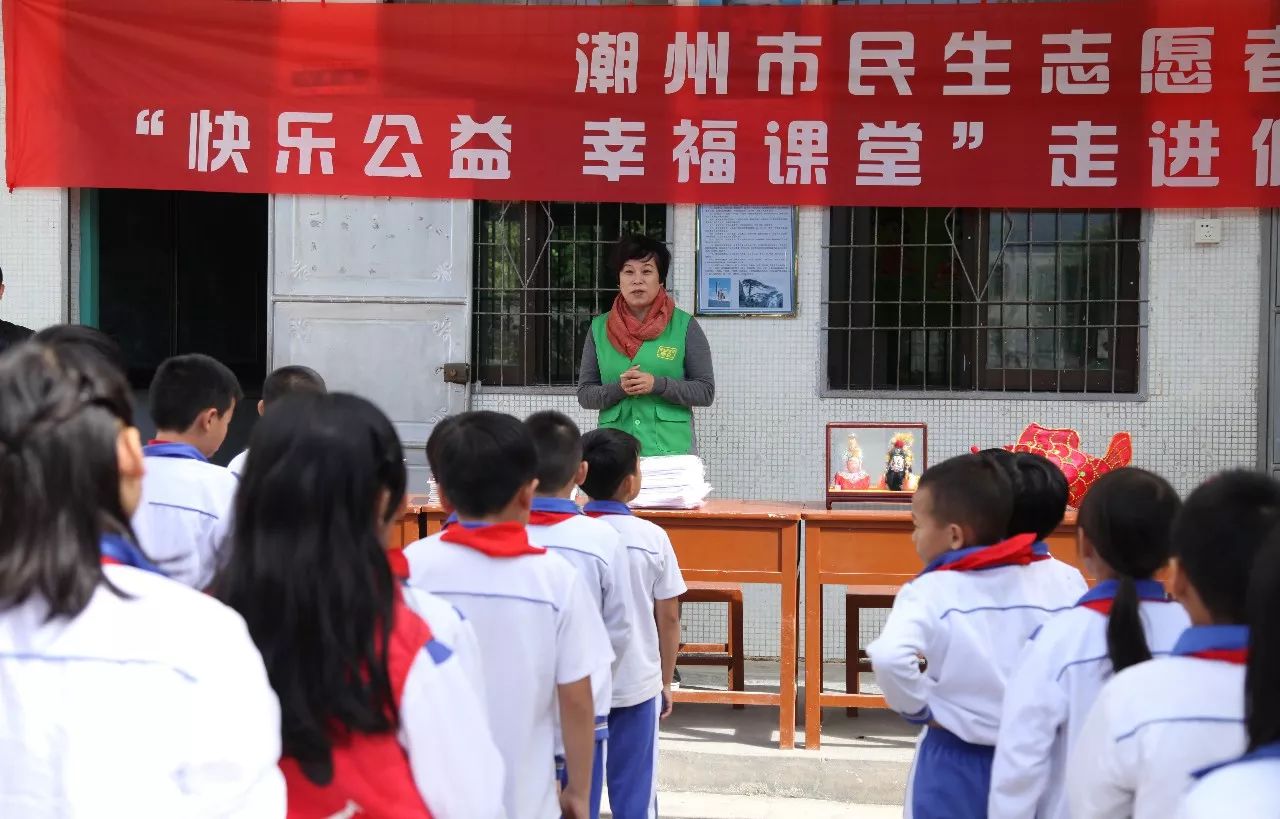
(33,247)
(763,438)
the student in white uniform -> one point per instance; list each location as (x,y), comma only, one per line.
(1123,537)
(121,691)
(369,688)
(642,680)
(1249,787)
(968,614)
(1155,724)
(186,500)
(293,379)
(592,547)
(540,633)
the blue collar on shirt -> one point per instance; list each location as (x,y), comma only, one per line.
(562,506)
(1269,751)
(172,450)
(947,558)
(607,507)
(1106,590)
(1211,638)
(122,551)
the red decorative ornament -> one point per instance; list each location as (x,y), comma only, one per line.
(1062,447)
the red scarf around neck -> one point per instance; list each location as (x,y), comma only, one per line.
(494,540)
(626,332)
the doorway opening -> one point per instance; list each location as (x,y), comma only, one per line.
(172,272)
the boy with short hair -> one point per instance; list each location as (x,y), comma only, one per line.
(186,505)
(292,379)
(591,546)
(540,634)
(1156,723)
(643,676)
(968,615)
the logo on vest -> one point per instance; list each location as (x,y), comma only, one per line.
(667,353)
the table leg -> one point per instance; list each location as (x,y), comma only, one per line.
(790,588)
(812,637)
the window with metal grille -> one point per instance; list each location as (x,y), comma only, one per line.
(936,299)
(541,275)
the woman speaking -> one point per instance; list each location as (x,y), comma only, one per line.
(646,362)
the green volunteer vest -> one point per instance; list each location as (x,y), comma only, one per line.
(663,428)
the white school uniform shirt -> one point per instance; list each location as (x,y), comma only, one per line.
(538,628)
(594,550)
(444,696)
(971,627)
(185,512)
(152,705)
(1245,788)
(236,467)
(1047,699)
(653,574)
(1155,724)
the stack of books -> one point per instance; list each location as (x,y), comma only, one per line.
(672,482)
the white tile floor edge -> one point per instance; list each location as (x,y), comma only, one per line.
(720,806)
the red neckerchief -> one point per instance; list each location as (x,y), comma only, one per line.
(1018,550)
(494,540)
(399,564)
(1236,656)
(537,518)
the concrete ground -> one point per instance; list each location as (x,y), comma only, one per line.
(715,761)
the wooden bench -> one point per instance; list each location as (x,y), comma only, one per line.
(729,653)
(857,598)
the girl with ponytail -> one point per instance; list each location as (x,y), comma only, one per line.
(1249,787)
(1123,535)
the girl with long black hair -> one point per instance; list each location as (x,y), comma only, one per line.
(1249,787)
(381,712)
(121,691)
(1123,535)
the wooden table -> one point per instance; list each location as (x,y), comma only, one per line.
(729,541)
(864,548)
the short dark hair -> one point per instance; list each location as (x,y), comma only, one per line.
(187,385)
(481,460)
(79,336)
(972,492)
(611,455)
(1262,678)
(1219,532)
(293,379)
(1039,487)
(559,446)
(638,247)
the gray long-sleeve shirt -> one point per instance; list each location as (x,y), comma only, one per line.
(696,389)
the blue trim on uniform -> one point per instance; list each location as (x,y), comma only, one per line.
(46,658)
(920,717)
(947,558)
(646,551)
(122,551)
(452,519)
(438,651)
(578,551)
(1211,638)
(607,507)
(602,727)
(172,450)
(183,508)
(456,610)
(1100,658)
(633,735)
(560,506)
(1135,729)
(494,595)
(1151,590)
(1269,751)
(1003,608)
(952,777)
(597,778)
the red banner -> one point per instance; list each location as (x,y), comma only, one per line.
(1103,104)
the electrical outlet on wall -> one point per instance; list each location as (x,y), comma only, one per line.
(1208,231)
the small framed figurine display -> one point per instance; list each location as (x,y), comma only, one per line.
(875,461)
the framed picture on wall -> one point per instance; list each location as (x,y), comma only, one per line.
(875,461)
